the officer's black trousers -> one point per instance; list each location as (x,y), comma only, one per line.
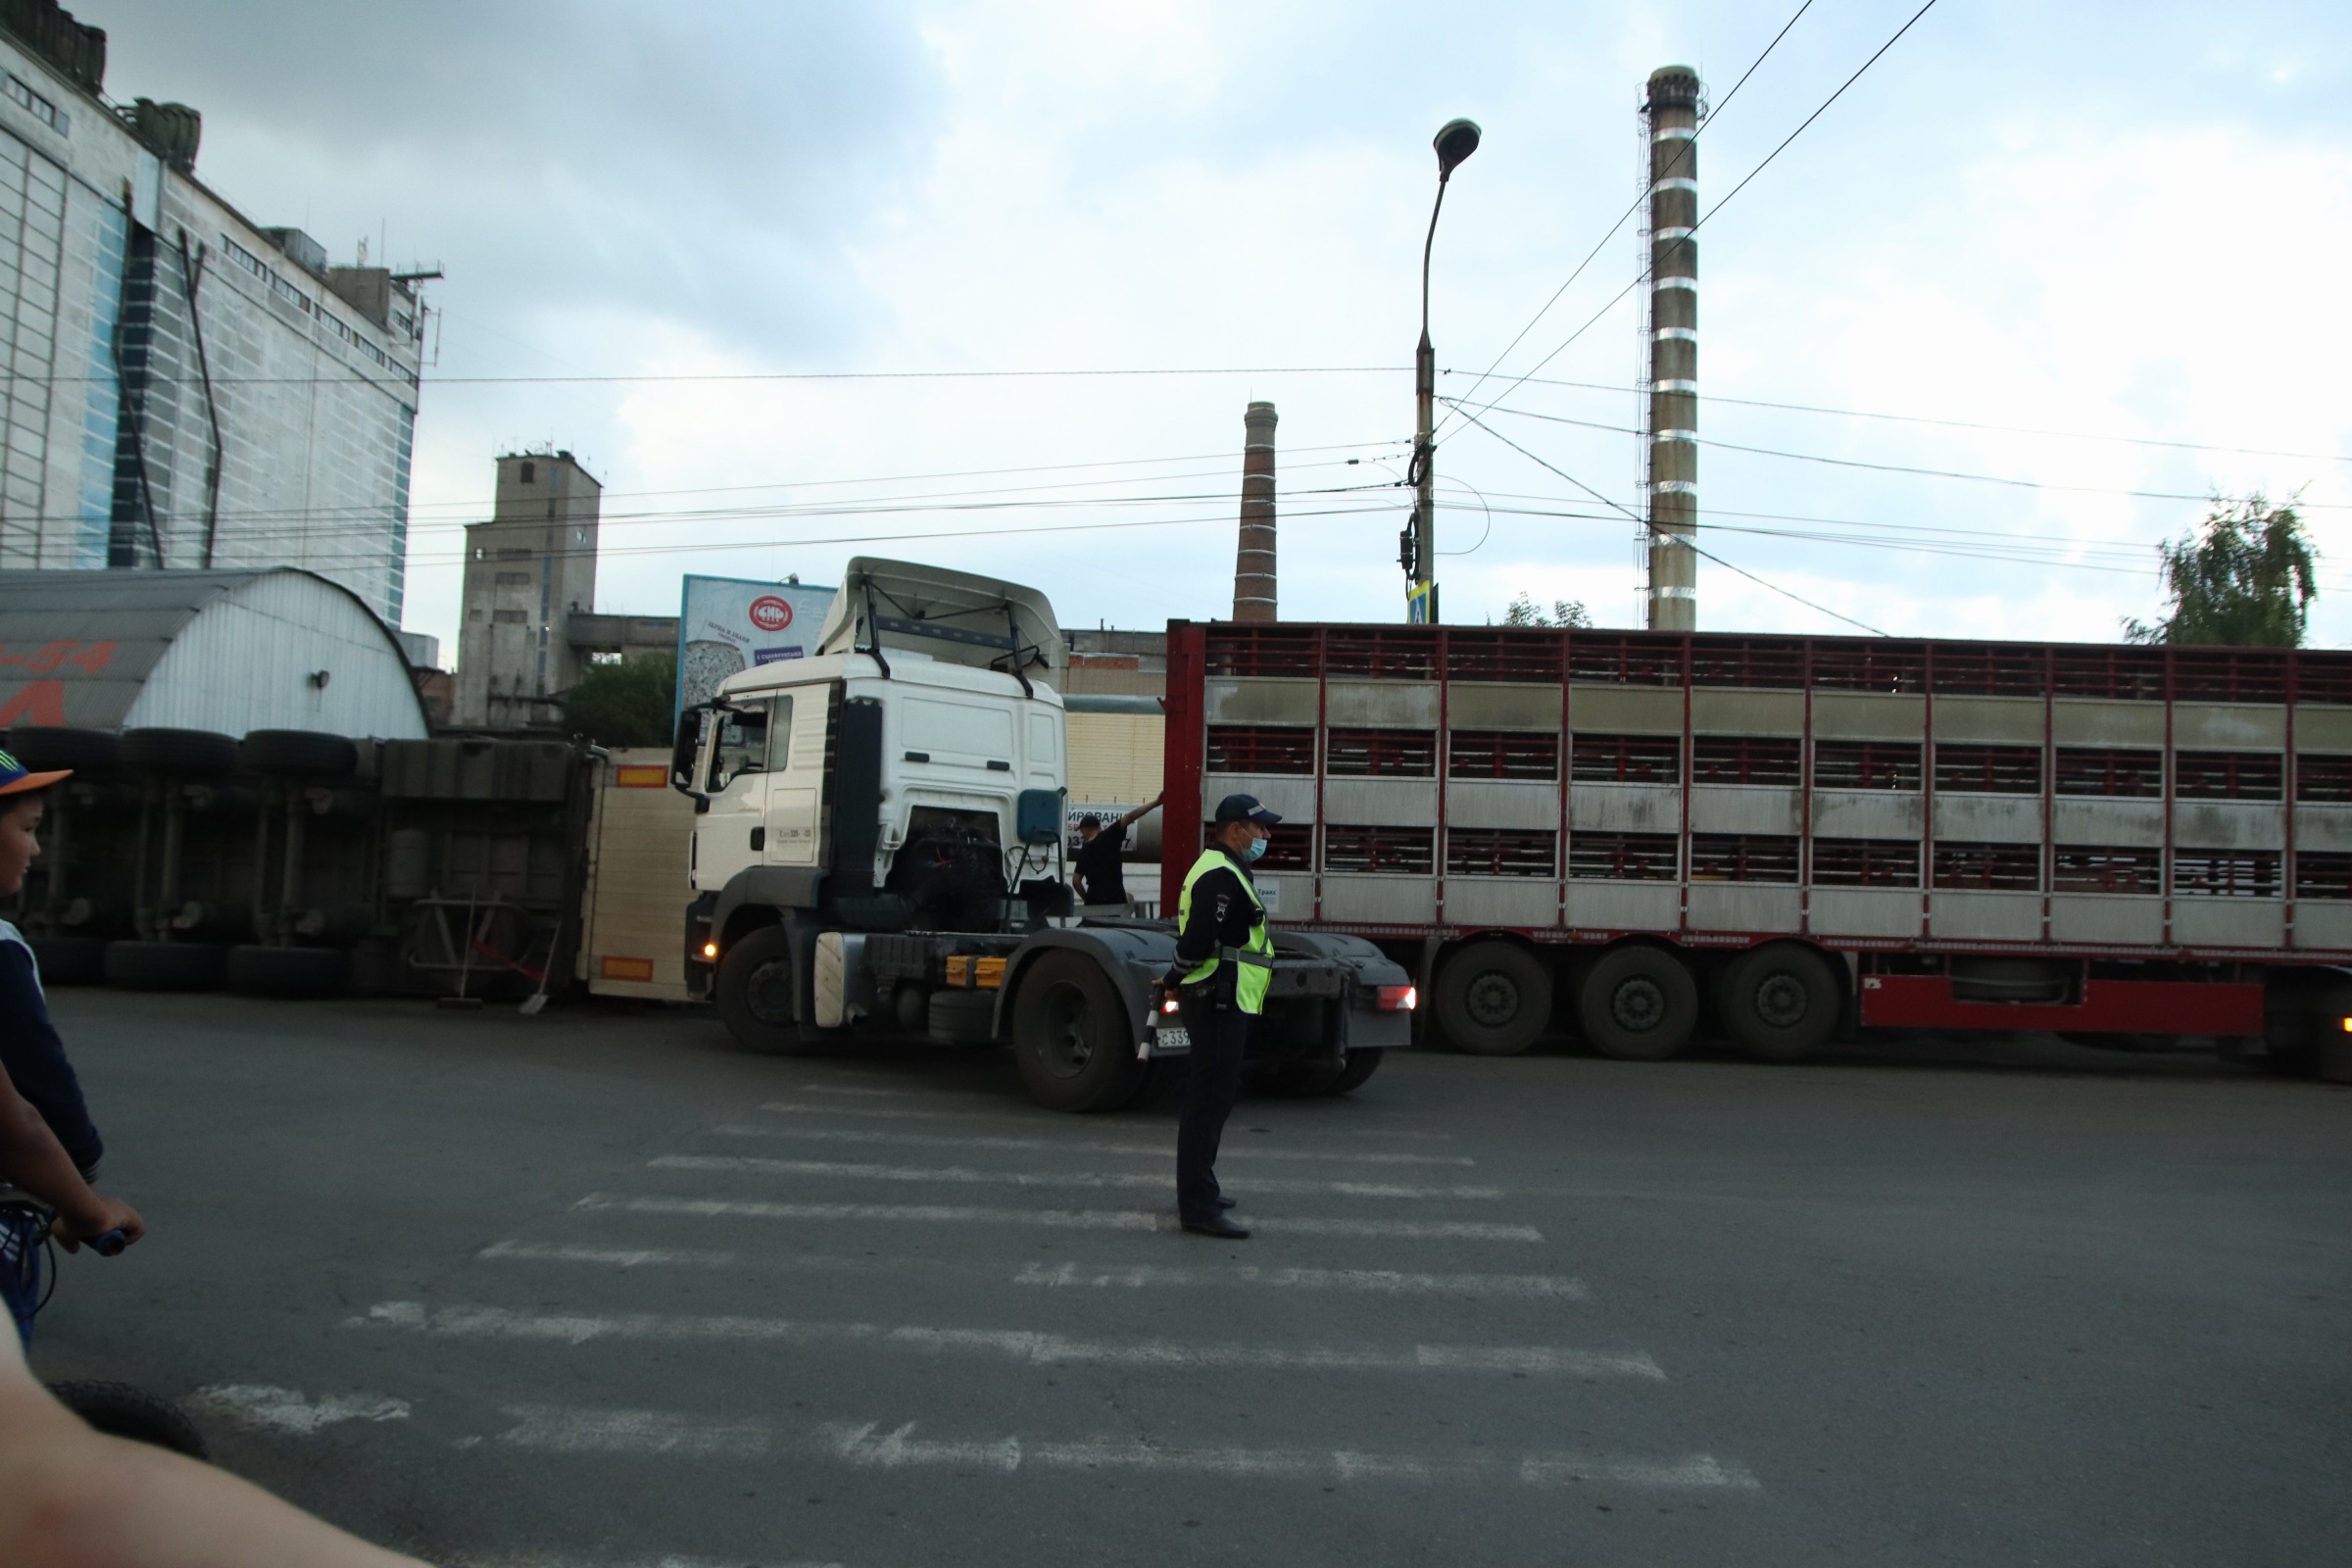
(1212,1078)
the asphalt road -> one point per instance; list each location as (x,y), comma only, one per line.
(594,1289)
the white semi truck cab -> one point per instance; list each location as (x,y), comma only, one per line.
(878,852)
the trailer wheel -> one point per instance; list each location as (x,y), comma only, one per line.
(1638,1004)
(262,972)
(1359,1066)
(1070,1038)
(178,753)
(164,965)
(1493,998)
(1780,1000)
(70,960)
(758,996)
(299,754)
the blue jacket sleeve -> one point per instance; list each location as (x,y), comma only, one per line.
(35,1059)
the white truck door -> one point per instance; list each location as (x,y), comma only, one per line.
(732,834)
(796,773)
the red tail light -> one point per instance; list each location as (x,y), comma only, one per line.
(1399,999)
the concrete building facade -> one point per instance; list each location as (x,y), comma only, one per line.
(528,570)
(184,387)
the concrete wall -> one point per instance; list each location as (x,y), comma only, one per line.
(528,570)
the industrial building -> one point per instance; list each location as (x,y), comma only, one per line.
(186,388)
(230,652)
(528,571)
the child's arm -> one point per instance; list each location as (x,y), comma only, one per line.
(34,1058)
(32,1157)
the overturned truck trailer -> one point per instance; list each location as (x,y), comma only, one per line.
(1796,835)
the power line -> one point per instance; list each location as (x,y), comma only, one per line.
(1901,468)
(730,377)
(1956,425)
(1643,275)
(1636,206)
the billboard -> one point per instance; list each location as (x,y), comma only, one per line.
(727,625)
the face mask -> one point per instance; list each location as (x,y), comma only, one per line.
(1257,847)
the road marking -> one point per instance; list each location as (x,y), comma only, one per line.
(876,1093)
(572,1561)
(273,1410)
(567,1429)
(1381,1281)
(1159,1150)
(870,1445)
(1047,1119)
(1022,1347)
(969,1176)
(1083,1219)
(615,1256)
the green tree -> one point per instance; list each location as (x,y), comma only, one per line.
(2245,583)
(1565,613)
(625,704)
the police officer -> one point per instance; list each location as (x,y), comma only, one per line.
(1224,963)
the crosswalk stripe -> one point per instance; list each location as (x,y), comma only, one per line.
(1160,1150)
(1379,1281)
(967,1175)
(1023,1346)
(1035,1118)
(870,1445)
(1088,1219)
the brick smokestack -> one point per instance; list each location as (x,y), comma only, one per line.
(1254,566)
(1672,112)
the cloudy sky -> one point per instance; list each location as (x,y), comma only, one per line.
(2074,232)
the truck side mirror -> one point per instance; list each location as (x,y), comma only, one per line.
(684,751)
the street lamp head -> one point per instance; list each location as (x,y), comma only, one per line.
(1455,140)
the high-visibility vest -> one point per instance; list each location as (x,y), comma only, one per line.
(1254,964)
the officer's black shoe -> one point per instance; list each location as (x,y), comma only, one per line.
(1219,1226)
(1227,1202)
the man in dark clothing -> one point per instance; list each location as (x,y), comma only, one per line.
(1101,875)
(1224,963)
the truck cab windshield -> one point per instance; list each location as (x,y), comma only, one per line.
(739,745)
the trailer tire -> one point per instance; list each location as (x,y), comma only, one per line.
(299,754)
(70,960)
(258,971)
(164,965)
(1359,1066)
(759,995)
(962,1017)
(1637,1003)
(1070,1037)
(1493,998)
(45,747)
(178,753)
(1781,1000)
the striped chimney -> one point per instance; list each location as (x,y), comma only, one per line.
(1253,565)
(1671,113)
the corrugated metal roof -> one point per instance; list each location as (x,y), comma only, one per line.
(79,647)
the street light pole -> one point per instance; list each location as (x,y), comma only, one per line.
(1455,140)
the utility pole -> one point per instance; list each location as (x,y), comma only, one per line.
(1417,550)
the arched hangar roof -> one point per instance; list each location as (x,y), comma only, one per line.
(226,651)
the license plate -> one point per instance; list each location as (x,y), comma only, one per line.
(1173,1038)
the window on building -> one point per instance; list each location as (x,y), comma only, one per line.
(2007,867)
(513,579)
(1502,852)
(1260,749)
(605,656)
(1988,769)
(1624,759)
(2107,770)
(1381,753)
(2323,778)
(2075,870)
(1866,863)
(1867,766)
(530,474)
(509,618)
(1623,856)
(1743,858)
(1746,759)
(1502,754)
(2228,775)
(2226,874)
(1401,850)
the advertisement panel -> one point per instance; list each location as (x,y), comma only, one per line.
(727,625)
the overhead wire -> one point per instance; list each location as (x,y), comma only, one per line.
(1604,239)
